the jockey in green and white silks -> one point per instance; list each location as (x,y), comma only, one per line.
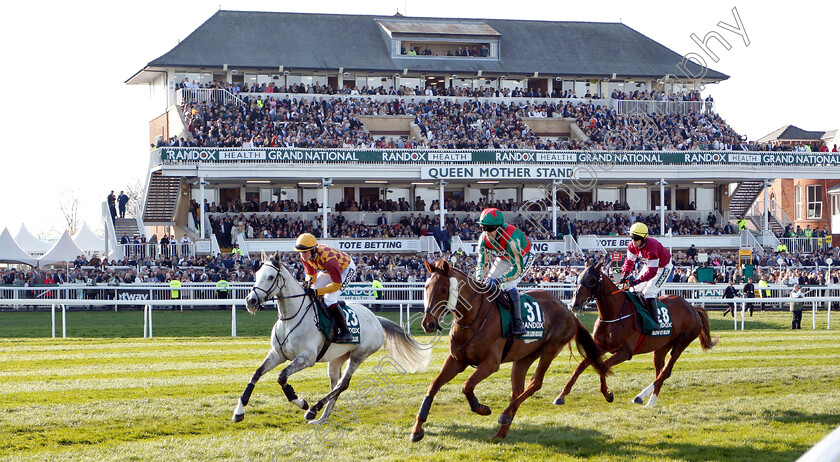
(504,256)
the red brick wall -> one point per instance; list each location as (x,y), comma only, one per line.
(784,191)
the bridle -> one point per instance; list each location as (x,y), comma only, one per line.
(451,302)
(275,286)
(594,287)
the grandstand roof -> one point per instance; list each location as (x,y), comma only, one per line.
(303,41)
(791,133)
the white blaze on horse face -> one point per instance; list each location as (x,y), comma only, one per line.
(453,295)
(426,294)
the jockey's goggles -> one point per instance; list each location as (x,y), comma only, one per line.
(489,228)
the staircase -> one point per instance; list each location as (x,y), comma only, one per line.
(126,227)
(743,197)
(161,199)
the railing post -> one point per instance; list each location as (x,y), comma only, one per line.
(63,321)
(53,320)
(233,320)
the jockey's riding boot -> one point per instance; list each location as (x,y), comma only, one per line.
(651,306)
(342,334)
(518,327)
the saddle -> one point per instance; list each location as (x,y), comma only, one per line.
(643,320)
(325,322)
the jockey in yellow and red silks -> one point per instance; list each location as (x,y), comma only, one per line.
(327,270)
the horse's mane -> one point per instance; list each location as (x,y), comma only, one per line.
(439,262)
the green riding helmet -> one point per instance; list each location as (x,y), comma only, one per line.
(491,219)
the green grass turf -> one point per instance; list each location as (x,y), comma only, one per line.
(764,394)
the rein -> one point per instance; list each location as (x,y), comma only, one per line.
(596,297)
(303,304)
(454,292)
(619,313)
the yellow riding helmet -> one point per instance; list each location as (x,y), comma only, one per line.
(305,242)
(639,229)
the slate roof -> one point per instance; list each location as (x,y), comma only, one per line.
(791,133)
(298,41)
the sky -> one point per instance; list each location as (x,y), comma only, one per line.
(73,128)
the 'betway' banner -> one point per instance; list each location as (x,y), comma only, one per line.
(428,156)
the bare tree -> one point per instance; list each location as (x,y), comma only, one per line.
(136,192)
(69,206)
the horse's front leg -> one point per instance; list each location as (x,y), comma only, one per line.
(272,360)
(301,362)
(485,369)
(561,399)
(451,368)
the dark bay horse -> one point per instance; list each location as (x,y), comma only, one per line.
(475,339)
(615,332)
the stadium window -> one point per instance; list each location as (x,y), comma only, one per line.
(798,206)
(814,201)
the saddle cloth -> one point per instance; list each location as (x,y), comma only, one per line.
(532,317)
(325,323)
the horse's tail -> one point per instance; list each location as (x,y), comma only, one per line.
(706,340)
(410,354)
(587,347)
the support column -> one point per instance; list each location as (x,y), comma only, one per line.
(766,209)
(441,208)
(326,183)
(662,184)
(202,215)
(554,208)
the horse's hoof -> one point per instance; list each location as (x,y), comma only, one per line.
(559,401)
(238,418)
(505,419)
(415,437)
(501,434)
(310,414)
(610,397)
(638,400)
(483,409)
(301,403)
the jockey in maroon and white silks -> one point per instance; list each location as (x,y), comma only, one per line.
(657,261)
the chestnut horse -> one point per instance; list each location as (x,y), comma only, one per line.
(615,332)
(475,339)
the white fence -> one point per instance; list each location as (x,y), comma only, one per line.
(154,251)
(404,297)
(662,107)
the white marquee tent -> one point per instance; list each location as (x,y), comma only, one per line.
(10,251)
(64,250)
(88,241)
(29,243)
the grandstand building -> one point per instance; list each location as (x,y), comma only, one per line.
(564,120)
